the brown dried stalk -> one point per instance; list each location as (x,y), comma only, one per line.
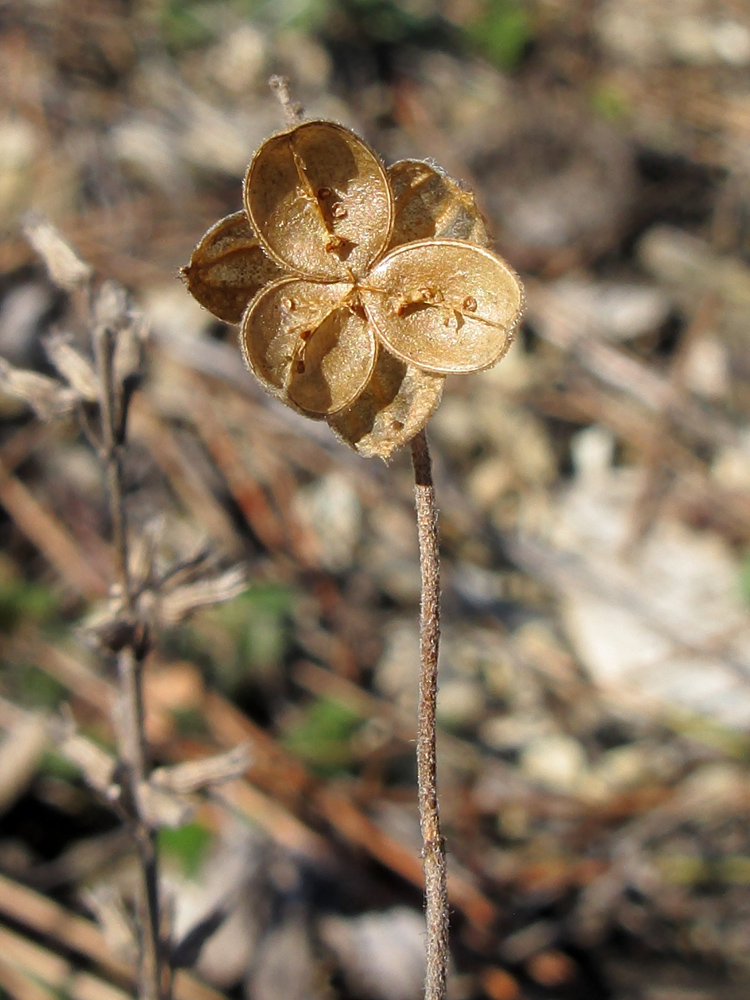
(153,976)
(104,310)
(433,850)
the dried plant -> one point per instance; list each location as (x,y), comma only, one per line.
(141,598)
(358,289)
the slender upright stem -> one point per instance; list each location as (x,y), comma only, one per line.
(112,457)
(433,850)
(292,109)
(152,978)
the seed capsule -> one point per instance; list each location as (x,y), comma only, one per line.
(394,406)
(334,323)
(320,360)
(228,267)
(287,187)
(430,204)
(439,334)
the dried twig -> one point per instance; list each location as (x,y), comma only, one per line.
(40,524)
(20,985)
(153,984)
(56,972)
(436,891)
(124,635)
(76,934)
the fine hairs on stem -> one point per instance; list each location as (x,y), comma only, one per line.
(153,977)
(293,110)
(433,849)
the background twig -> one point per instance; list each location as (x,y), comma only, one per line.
(130,713)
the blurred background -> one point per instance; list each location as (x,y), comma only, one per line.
(594,492)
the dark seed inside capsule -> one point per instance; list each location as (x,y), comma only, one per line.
(470,304)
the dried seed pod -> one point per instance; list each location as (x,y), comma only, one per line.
(228,267)
(320,201)
(430,204)
(395,405)
(310,344)
(444,305)
(341,328)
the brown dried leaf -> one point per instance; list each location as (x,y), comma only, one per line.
(21,753)
(63,264)
(161,807)
(98,767)
(228,267)
(194,774)
(444,305)
(179,603)
(395,405)
(111,308)
(430,204)
(309,344)
(129,356)
(319,199)
(46,396)
(107,905)
(76,369)
(113,312)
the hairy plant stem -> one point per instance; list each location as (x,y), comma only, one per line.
(293,110)
(433,849)
(153,978)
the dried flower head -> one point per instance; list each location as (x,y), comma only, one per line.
(358,288)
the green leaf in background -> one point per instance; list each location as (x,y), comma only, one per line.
(735,869)
(22,602)
(32,687)
(192,23)
(258,619)
(54,765)
(501,32)
(245,639)
(385,20)
(257,623)
(183,24)
(191,722)
(187,846)
(321,736)
(711,733)
(609,103)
